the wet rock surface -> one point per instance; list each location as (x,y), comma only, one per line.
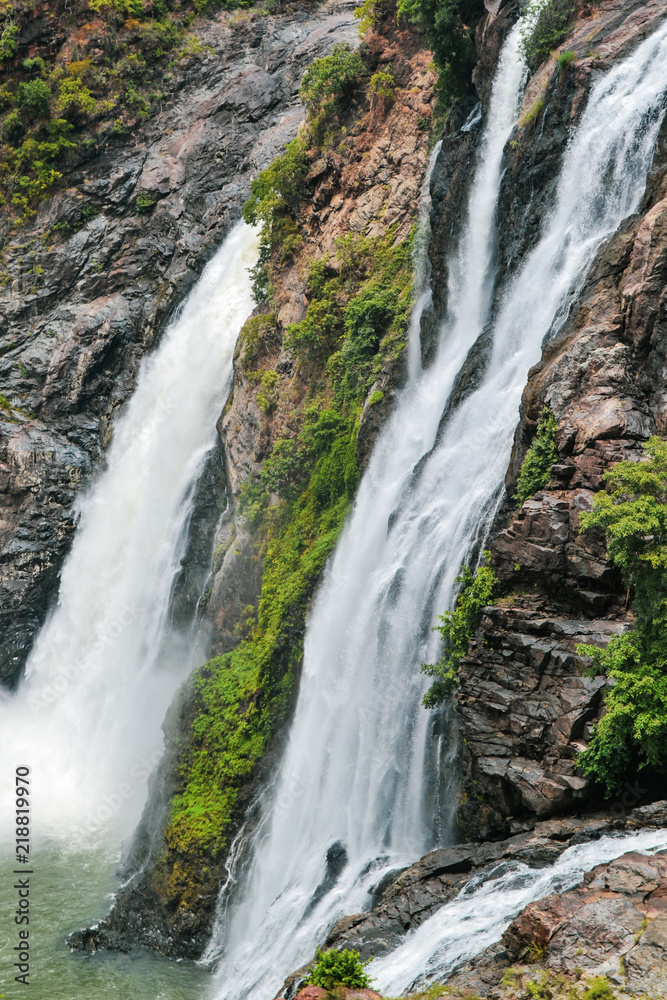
(77,314)
(526,706)
(416,893)
(612,925)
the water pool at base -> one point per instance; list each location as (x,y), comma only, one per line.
(71,887)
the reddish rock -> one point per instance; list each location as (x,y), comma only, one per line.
(613,924)
(312,993)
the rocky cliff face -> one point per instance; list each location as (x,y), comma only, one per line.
(525,706)
(90,282)
(363,189)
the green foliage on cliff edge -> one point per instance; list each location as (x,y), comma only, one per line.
(633,513)
(549,22)
(539,458)
(457,629)
(450,31)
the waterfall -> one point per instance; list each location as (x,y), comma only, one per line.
(349,803)
(87,718)
(351,799)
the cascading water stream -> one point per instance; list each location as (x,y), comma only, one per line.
(354,779)
(351,783)
(87,718)
(461,929)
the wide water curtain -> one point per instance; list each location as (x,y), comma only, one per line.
(361,746)
(98,683)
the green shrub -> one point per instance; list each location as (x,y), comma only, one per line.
(598,988)
(383,84)
(13,129)
(565,59)
(550,24)
(375,397)
(450,27)
(253,332)
(74,98)
(457,629)
(339,968)
(275,192)
(35,63)
(633,513)
(328,83)
(8,40)
(539,458)
(321,428)
(144,203)
(33,98)
(267,397)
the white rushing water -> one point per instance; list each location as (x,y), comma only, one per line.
(358,772)
(87,718)
(482,911)
(360,743)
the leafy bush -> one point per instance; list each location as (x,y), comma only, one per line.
(457,629)
(356,315)
(329,83)
(13,129)
(539,458)
(8,41)
(383,84)
(74,98)
(339,968)
(633,513)
(450,26)
(565,59)
(144,203)
(275,192)
(33,97)
(550,22)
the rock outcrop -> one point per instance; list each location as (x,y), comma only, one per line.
(526,707)
(89,284)
(410,897)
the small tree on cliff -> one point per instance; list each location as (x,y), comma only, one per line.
(633,513)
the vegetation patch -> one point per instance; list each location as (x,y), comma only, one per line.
(539,458)
(632,511)
(531,114)
(339,968)
(476,591)
(53,114)
(549,22)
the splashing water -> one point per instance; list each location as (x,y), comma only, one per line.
(361,750)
